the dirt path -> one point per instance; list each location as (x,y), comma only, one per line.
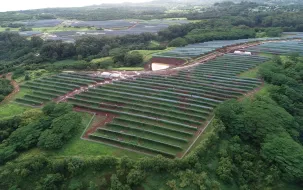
(80,90)
(252,92)
(133,26)
(14,92)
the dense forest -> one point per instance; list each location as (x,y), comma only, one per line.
(254,144)
(5,88)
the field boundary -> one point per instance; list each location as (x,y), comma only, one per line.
(87,126)
(202,132)
(132,150)
(27,105)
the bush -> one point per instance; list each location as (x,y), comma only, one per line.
(133,58)
(178,42)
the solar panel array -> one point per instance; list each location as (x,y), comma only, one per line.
(279,48)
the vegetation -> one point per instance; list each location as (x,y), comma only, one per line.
(253,142)
(49,129)
(222,21)
(5,88)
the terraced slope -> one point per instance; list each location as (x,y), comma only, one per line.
(51,88)
(279,48)
(164,114)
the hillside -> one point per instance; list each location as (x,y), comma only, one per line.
(159,96)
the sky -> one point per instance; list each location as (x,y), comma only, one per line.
(14,5)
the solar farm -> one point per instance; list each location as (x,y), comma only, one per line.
(56,87)
(102,28)
(279,48)
(195,50)
(151,114)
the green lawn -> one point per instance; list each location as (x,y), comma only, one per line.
(252,73)
(11,108)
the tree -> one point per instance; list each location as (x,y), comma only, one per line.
(92,186)
(178,42)
(287,153)
(135,177)
(62,129)
(49,108)
(51,181)
(56,110)
(133,58)
(224,171)
(36,41)
(115,184)
(27,77)
(118,54)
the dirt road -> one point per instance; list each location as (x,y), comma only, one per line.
(15,91)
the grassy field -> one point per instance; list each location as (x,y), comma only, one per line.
(148,54)
(82,148)
(79,147)
(2,29)
(11,108)
(100,60)
(252,73)
(65,62)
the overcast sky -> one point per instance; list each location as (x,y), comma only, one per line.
(13,5)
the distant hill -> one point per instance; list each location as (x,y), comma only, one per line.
(284,2)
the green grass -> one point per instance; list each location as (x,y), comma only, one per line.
(100,60)
(252,73)
(266,55)
(8,109)
(2,29)
(83,148)
(12,109)
(148,54)
(65,62)
(264,90)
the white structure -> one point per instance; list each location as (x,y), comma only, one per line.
(105,75)
(115,75)
(159,66)
(108,75)
(243,52)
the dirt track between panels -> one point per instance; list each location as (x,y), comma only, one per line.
(15,91)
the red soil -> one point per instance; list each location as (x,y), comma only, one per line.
(108,119)
(16,88)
